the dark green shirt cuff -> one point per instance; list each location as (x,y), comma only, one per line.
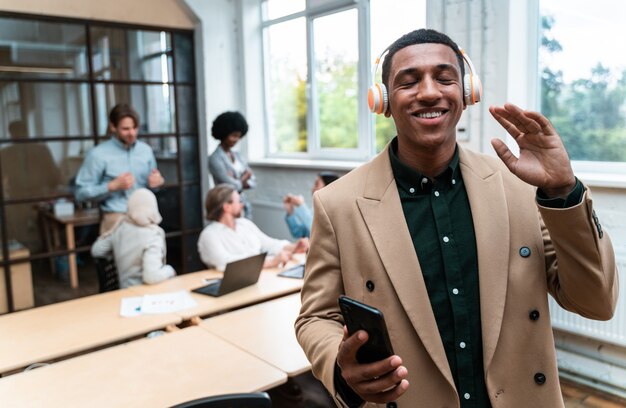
(573,198)
(345,392)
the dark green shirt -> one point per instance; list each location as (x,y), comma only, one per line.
(439,219)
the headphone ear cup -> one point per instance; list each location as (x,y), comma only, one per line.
(377,98)
(472,89)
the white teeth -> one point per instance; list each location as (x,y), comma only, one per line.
(429,115)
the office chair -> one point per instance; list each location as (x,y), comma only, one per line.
(107,274)
(245,400)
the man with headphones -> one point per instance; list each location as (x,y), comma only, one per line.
(459,250)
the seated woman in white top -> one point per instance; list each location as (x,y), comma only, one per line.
(137,243)
(228,237)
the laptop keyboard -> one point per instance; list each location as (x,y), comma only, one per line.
(211,289)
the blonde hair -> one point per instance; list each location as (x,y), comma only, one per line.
(215,200)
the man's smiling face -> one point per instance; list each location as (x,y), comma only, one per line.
(426,95)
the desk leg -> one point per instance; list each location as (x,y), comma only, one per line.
(71,245)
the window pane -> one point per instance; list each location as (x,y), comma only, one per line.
(279,8)
(169,207)
(131,54)
(166,154)
(42,49)
(583,77)
(191,163)
(187,113)
(40,109)
(382,35)
(286,87)
(336,79)
(193,209)
(55,165)
(154,103)
(184,57)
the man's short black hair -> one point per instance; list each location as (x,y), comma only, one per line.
(421,36)
(227,123)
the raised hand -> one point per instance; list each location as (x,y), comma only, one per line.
(122,182)
(155,179)
(543,161)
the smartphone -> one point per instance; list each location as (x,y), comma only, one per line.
(359,316)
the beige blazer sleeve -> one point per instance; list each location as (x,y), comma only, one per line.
(580,262)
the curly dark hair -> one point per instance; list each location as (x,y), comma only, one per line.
(227,123)
(421,36)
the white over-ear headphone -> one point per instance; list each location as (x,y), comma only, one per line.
(378,98)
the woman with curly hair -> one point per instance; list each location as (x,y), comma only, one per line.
(226,165)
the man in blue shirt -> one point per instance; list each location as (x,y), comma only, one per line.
(114,169)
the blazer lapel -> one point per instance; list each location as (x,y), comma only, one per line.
(382,212)
(488,204)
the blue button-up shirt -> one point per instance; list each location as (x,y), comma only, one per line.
(107,161)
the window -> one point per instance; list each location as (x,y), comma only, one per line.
(583,79)
(316,76)
(59,78)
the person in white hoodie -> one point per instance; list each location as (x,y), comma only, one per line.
(137,243)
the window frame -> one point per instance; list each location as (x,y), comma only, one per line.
(594,173)
(365,138)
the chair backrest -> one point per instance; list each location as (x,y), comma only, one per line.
(107,274)
(246,400)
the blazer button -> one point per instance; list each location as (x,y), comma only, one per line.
(534,315)
(392,404)
(524,252)
(369,285)
(540,378)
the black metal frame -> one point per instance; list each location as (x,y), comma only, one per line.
(178,184)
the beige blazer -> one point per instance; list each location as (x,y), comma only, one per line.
(360,239)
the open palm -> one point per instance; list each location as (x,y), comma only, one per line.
(543,161)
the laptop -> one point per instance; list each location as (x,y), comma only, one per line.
(296,272)
(237,275)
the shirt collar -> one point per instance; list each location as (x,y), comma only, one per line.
(413,181)
(121,144)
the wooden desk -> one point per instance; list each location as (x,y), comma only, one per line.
(158,372)
(78,219)
(269,286)
(266,331)
(66,328)
(21,280)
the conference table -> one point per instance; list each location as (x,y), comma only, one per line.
(152,372)
(64,329)
(269,286)
(265,330)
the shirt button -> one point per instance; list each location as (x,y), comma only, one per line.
(446,239)
(453,181)
(524,252)
(369,285)
(392,404)
(462,344)
(466,395)
(425,180)
(411,190)
(455,291)
(436,193)
(540,378)
(534,315)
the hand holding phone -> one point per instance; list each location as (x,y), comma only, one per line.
(359,316)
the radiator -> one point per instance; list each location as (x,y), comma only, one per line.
(612,331)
